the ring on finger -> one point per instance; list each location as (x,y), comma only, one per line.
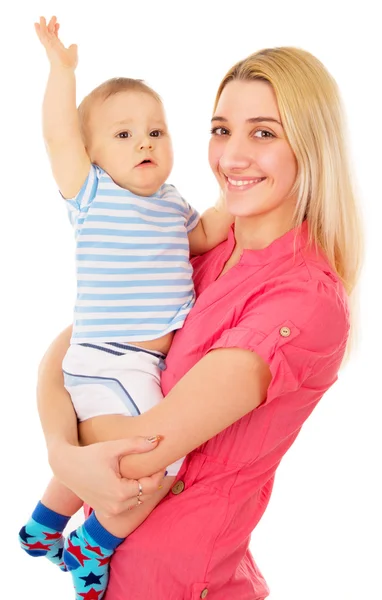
(140,490)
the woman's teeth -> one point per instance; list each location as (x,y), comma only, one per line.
(240,183)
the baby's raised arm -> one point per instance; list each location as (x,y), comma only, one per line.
(61,128)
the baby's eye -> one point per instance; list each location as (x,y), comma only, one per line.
(124,134)
(156,133)
(219,131)
(263,133)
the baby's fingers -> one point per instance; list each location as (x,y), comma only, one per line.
(41,30)
(52,25)
(44,31)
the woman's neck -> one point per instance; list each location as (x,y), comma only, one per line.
(258,232)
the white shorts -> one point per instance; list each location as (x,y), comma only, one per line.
(105,383)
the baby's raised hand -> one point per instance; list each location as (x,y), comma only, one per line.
(55,49)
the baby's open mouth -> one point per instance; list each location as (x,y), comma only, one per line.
(146,161)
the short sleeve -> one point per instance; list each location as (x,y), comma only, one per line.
(79,205)
(192,218)
(298,330)
(191,215)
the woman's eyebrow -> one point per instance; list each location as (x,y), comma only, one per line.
(251,120)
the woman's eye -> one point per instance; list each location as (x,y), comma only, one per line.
(219,131)
(156,133)
(124,134)
(263,133)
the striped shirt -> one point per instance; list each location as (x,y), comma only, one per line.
(134,277)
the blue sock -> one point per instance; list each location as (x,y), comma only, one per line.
(87,555)
(42,535)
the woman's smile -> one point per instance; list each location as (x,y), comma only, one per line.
(243,184)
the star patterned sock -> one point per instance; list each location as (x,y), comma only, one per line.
(42,535)
(87,555)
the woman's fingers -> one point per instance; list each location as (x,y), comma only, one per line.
(92,472)
(128,496)
(134,445)
(152,484)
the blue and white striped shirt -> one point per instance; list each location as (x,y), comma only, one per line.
(134,277)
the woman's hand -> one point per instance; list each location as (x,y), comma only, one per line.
(92,472)
(58,55)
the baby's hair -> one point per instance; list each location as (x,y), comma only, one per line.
(110,88)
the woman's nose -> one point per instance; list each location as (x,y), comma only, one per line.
(234,157)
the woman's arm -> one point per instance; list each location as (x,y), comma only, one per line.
(220,389)
(96,477)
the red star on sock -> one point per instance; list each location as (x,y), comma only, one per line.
(95,549)
(103,561)
(38,546)
(52,536)
(76,551)
(92,594)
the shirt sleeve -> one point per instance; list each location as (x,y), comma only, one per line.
(191,215)
(79,205)
(192,218)
(298,330)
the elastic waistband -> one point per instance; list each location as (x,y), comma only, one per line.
(119,349)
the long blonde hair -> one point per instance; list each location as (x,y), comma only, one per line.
(313,119)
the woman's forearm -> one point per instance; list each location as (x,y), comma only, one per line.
(57,416)
(197,408)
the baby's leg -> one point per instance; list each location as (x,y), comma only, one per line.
(89,549)
(120,381)
(42,534)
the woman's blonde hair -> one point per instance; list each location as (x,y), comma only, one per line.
(313,119)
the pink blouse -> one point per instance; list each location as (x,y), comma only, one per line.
(286,304)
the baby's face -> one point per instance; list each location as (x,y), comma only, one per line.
(130,141)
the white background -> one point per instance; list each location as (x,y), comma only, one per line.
(321,535)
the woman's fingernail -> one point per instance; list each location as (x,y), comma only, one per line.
(166,473)
(154,438)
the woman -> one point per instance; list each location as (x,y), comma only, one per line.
(263,343)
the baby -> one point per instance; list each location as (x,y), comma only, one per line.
(134,235)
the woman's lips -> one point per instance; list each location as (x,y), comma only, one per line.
(243,184)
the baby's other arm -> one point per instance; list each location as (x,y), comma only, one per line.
(61,128)
(212,228)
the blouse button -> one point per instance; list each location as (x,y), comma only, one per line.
(204,593)
(178,487)
(285,331)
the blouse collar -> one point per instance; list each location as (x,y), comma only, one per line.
(288,244)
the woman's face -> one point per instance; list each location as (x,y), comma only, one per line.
(249,153)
